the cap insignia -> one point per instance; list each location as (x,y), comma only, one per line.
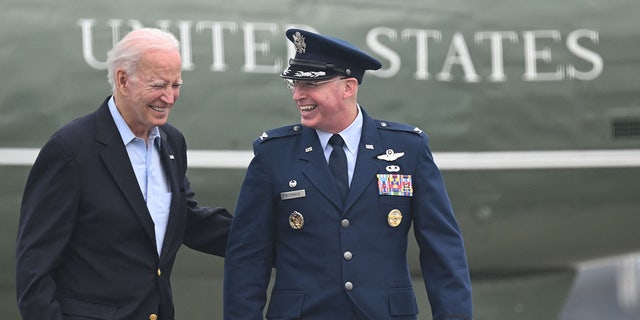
(310,74)
(298,42)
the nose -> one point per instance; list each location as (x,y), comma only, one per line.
(170,95)
(297,93)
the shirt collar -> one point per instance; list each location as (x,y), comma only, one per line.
(125,132)
(350,135)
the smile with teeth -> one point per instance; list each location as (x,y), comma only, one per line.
(159,109)
(309,107)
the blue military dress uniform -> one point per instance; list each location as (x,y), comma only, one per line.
(342,257)
(343,261)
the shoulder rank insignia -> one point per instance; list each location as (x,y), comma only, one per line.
(280,132)
(390,155)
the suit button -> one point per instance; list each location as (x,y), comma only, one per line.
(159,272)
(347,255)
(348,285)
(153,316)
(345,223)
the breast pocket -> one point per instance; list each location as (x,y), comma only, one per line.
(395,210)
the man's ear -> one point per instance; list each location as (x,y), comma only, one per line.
(122,81)
(350,87)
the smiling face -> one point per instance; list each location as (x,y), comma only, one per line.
(327,105)
(146,97)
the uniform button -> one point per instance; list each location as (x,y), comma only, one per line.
(159,272)
(347,255)
(153,316)
(345,223)
(348,285)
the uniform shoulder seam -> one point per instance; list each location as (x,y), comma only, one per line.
(396,126)
(280,132)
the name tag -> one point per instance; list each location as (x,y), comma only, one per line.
(395,185)
(292,194)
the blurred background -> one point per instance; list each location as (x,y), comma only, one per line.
(532,107)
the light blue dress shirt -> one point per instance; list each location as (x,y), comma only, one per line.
(152,179)
(351,136)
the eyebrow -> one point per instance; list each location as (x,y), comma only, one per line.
(160,82)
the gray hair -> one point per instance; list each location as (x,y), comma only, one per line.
(126,54)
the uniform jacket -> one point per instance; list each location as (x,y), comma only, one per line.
(343,257)
(86,244)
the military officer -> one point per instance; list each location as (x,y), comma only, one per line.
(329,204)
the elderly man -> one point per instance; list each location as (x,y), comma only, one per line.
(107,204)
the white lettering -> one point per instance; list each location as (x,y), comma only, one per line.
(422,49)
(458,54)
(217,41)
(537,62)
(163,25)
(532,55)
(185,44)
(374,44)
(86,26)
(115,25)
(581,52)
(251,47)
(497,59)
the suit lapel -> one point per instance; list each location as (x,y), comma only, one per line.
(116,160)
(168,159)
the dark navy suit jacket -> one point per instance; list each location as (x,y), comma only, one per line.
(349,257)
(86,245)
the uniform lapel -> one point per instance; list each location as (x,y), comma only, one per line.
(315,166)
(366,166)
(116,160)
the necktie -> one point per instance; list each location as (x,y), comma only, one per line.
(338,166)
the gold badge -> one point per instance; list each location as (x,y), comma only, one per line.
(394,218)
(296,220)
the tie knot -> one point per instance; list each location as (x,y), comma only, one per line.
(336,140)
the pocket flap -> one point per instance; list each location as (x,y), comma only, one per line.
(87,308)
(402,302)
